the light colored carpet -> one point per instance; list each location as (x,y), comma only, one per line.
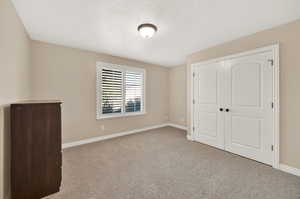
(162,164)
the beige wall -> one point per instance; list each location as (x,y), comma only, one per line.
(70,75)
(14,79)
(288,36)
(177,95)
(14,55)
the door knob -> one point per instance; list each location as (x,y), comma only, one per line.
(227,110)
(221,109)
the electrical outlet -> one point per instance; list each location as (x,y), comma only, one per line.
(102,127)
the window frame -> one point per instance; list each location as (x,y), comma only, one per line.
(123,68)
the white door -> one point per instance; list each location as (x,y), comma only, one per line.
(248,122)
(208,99)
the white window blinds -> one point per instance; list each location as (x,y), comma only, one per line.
(133,91)
(111,91)
(120,90)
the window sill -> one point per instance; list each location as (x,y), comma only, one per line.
(108,116)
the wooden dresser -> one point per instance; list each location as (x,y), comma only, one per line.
(36,157)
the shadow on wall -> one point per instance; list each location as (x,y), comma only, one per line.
(5,150)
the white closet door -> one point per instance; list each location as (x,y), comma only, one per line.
(248,122)
(208,99)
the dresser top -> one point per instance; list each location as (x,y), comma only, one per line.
(38,102)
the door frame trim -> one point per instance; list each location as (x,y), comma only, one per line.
(274,49)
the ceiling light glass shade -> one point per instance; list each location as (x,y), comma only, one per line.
(147,30)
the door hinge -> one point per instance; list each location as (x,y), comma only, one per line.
(272,147)
(193,101)
(271,62)
(193,128)
(272,105)
(193,74)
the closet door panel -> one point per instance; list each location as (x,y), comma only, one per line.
(248,124)
(208,120)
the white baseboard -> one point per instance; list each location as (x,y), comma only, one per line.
(177,126)
(106,137)
(189,137)
(288,169)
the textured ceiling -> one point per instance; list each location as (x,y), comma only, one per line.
(184,26)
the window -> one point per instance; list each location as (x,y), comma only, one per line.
(120,90)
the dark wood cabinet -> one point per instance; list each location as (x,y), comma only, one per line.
(36,157)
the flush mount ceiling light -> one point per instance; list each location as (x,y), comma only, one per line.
(147,30)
